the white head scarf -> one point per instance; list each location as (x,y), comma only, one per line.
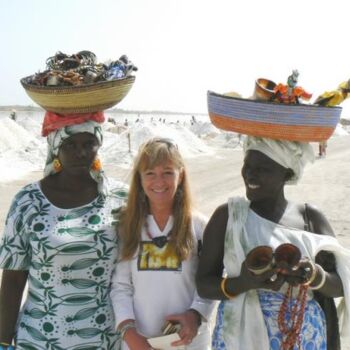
(290,154)
(55,140)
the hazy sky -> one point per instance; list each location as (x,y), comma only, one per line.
(182,47)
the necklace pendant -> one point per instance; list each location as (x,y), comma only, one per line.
(160,241)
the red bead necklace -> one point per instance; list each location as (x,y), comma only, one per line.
(291,330)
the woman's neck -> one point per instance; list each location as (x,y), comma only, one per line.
(161,216)
(74,182)
(271,209)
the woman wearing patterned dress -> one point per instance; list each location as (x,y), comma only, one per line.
(59,239)
(160,242)
(250,315)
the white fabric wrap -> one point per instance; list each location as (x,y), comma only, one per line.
(290,154)
(244,325)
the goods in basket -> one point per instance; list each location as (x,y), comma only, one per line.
(290,93)
(275,111)
(80,68)
(78,84)
(335,97)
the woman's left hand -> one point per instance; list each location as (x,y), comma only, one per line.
(301,274)
(189,327)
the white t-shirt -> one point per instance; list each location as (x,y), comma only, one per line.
(155,284)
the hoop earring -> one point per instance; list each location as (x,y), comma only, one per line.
(57,165)
(96,165)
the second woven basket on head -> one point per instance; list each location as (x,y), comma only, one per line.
(293,122)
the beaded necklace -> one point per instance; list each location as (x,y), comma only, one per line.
(291,330)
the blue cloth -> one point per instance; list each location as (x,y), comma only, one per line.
(313,331)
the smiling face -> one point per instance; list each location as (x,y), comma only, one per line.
(77,152)
(160,184)
(263,177)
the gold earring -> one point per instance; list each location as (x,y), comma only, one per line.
(57,165)
(96,165)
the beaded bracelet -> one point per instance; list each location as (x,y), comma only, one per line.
(6,346)
(125,328)
(223,289)
(323,278)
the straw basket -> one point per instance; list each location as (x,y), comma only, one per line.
(80,98)
(293,122)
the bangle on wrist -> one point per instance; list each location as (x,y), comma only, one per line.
(223,289)
(125,328)
(323,278)
(198,315)
(313,274)
(6,346)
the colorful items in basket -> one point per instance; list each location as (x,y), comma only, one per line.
(78,84)
(80,68)
(290,93)
(275,111)
(285,258)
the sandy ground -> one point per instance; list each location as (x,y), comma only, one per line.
(325,184)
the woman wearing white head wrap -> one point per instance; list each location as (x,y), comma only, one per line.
(59,237)
(255,307)
(290,154)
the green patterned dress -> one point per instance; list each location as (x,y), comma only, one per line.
(70,255)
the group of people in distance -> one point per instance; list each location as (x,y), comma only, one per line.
(109,265)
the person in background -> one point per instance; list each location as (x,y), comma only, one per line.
(322,148)
(59,239)
(161,236)
(13,115)
(282,308)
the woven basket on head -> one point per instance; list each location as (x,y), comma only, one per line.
(293,122)
(80,98)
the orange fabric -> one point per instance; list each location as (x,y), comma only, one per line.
(53,121)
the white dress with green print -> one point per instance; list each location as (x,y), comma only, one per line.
(70,255)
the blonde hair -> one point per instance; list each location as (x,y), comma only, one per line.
(151,154)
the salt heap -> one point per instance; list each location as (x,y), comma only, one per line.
(20,150)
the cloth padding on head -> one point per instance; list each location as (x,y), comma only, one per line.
(290,154)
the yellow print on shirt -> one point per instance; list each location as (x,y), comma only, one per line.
(153,258)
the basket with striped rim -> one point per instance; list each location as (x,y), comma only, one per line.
(85,98)
(293,122)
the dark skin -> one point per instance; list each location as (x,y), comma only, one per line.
(70,188)
(264,180)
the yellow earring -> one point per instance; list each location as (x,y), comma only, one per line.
(96,165)
(57,165)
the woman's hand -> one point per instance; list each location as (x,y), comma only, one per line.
(189,327)
(300,274)
(136,341)
(270,279)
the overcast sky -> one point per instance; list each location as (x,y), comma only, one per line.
(182,47)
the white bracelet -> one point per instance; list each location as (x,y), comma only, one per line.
(126,327)
(323,278)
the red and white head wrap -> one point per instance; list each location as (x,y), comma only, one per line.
(58,128)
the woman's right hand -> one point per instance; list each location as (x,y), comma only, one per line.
(270,279)
(136,341)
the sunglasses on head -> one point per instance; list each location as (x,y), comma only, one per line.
(169,142)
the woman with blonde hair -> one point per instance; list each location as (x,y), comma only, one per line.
(160,238)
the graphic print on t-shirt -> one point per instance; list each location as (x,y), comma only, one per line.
(153,258)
